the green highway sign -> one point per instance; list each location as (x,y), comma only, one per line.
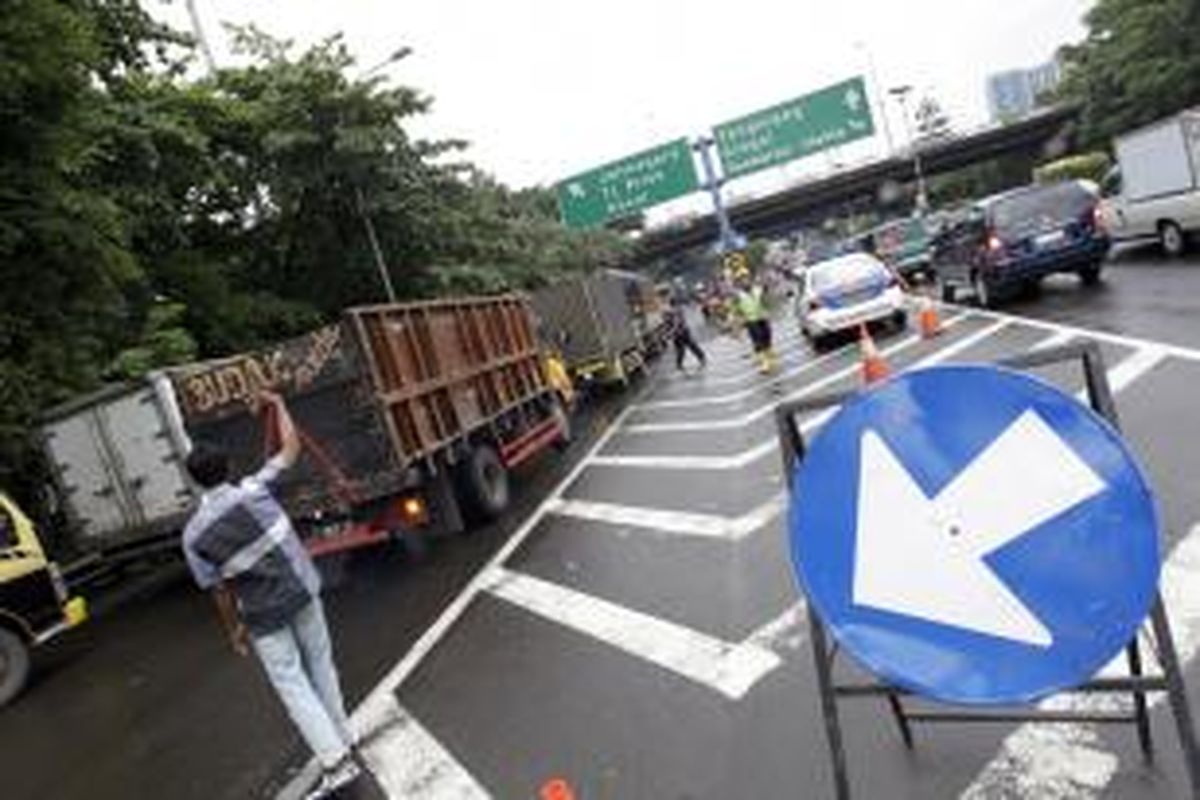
(624,187)
(832,116)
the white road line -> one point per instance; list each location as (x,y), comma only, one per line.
(768,408)
(1068,761)
(682,523)
(787,632)
(736,461)
(410,764)
(383,691)
(732,397)
(743,459)
(1058,338)
(1129,370)
(707,380)
(723,667)
(739,350)
(1135,366)
(1178,351)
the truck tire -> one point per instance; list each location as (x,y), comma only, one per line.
(483,486)
(14,665)
(949,292)
(1090,275)
(1171,237)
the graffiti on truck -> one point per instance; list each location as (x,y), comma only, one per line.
(231,384)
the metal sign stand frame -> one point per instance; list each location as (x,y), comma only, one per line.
(1137,684)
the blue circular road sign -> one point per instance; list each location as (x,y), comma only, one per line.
(974,534)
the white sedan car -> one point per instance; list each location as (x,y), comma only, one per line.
(840,294)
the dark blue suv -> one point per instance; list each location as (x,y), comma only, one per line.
(1012,240)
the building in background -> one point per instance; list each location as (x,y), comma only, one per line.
(1014,93)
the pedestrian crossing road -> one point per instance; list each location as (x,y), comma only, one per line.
(640,635)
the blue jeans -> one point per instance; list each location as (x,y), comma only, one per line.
(298,660)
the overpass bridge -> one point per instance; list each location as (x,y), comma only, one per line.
(780,212)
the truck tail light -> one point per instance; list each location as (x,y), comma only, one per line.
(413,510)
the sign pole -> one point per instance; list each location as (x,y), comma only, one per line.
(729,239)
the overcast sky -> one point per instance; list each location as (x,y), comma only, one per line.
(546,88)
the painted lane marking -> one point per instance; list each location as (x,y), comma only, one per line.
(1057,339)
(741,460)
(1135,342)
(410,764)
(711,526)
(383,691)
(786,632)
(733,397)
(711,379)
(730,669)
(737,355)
(768,408)
(1135,366)
(1070,761)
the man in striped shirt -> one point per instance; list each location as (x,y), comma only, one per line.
(241,545)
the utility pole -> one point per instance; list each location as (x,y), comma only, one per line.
(730,240)
(201,39)
(376,250)
(901,93)
(880,107)
(360,203)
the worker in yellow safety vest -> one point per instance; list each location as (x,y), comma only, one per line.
(750,307)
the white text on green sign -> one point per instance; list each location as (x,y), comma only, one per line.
(832,116)
(627,186)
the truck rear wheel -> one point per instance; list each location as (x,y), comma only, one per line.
(482,482)
(14,665)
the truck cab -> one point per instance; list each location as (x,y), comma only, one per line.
(34,605)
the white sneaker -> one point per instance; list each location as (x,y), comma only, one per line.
(344,774)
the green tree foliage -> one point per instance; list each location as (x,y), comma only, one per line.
(1139,62)
(148,218)
(1085,166)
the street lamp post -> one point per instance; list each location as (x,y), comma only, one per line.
(360,203)
(879,104)
(901,93)
(376,250)
(400,53)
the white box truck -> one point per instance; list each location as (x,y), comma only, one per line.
(1154,192)
(117,459)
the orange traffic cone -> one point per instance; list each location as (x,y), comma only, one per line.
(556,789)
(927,318)
(874,368)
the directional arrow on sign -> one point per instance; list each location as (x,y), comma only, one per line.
(924,557)
(853,100)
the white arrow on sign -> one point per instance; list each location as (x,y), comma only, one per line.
(924,558)
(852,99)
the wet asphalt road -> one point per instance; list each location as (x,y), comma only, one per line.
(597,650)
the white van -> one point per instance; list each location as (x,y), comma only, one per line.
(1154,192)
